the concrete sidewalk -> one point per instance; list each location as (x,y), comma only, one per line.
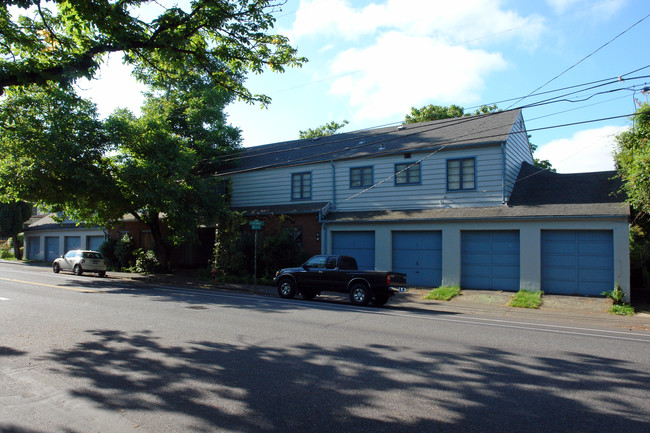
(563,309)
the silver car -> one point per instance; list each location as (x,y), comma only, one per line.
(80,261)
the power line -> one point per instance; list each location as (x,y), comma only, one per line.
(586,57)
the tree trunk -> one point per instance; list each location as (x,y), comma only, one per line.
(160,246)
(17,254)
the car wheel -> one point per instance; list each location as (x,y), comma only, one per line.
(360,294)
(380,300)
(308,294)
(101,273)
(286,289)
(56,268)
(77,270)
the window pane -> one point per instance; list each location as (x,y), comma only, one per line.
(355,177)
(367,177)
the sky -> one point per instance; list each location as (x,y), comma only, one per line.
(370,61)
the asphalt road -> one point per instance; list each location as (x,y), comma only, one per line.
(86,354)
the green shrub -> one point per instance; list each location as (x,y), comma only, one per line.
(146,262)
(443,293)
(622,309)
(6,252)
(118,253)
(279,251)
(617,295)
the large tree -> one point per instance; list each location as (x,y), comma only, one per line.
(62,40)
(12,219)
(157,167)
(633,159)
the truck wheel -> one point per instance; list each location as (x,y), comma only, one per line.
(286,289)
(380,300)
(360,294)
(308,294)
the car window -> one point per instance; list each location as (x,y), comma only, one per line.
(70,254)
(331,262)
(91,255)
(347,263)
(317,262)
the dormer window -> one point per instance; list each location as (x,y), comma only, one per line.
(301,186)
(407,174)
(461,174)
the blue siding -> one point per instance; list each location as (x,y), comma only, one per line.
(490,260)
(360,245)
(419,256)
(577,262)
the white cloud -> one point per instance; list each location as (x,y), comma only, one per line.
(586,151)
(455,22)
(400,71)
(404,53)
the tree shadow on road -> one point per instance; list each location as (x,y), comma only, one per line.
(209,386)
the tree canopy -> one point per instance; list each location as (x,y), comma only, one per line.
(633,159)
(439,112)
(323,130)
(62,40)
(54,151)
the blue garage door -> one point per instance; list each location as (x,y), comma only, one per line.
(33,247)
(419,256)
(577,262)
(490,260)
(94,242)
(72,243)
(360,245)
(51,248)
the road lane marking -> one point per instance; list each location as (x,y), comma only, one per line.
(50,285)
(4,299)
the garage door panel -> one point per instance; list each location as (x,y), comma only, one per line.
(51,248)
(581,263)
(360,245)
(415,259)
(94,242)
(504,271)
(490,260)
(562,261)
(418,254)
(476,259)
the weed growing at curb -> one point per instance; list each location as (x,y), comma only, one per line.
(622,310)
(526,299)
(444,293)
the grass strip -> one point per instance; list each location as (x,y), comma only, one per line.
(443,293)
(526,299)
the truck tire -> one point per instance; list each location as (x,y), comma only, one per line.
(360,294)
(380,300)
(286,288)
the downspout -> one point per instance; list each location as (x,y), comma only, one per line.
(503,173)
(333,185)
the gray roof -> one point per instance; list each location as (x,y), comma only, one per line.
(463,131)
(592,210)
(283,209)
(47,222)
(536,186)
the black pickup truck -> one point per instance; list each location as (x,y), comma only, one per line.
(338,274)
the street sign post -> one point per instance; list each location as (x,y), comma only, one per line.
(256,225)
